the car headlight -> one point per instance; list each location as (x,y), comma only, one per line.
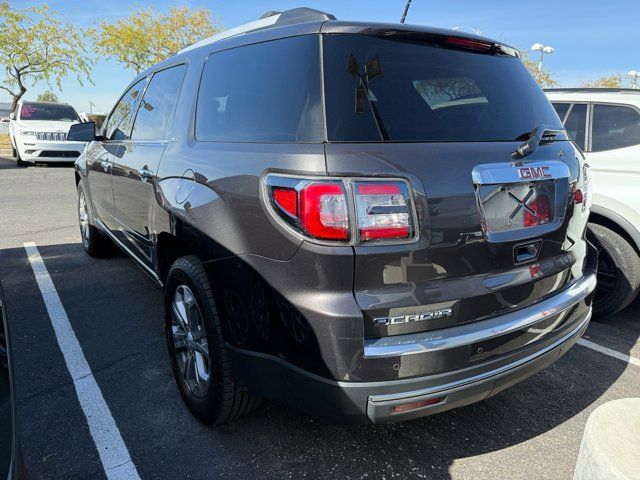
(26,132)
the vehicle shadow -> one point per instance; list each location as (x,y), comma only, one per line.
(134,374)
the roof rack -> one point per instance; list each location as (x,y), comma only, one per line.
(269,19)
(593,90)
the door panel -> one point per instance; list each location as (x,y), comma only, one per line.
(134,175)
(99,177)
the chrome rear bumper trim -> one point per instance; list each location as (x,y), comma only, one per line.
(471,333)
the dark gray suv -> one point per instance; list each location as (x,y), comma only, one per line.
(366,221)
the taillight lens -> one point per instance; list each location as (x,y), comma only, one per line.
(320,208)
(382,211)
(324,212)
(537,212)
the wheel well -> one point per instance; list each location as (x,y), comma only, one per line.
(169,249)
(77,178)
(611,225)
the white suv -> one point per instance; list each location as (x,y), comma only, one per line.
(605,123)
(38,132)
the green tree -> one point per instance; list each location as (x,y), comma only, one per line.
(606,81)
(147,37)
(47,96)
(36,45)
(544,77)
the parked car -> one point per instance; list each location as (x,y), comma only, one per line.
(38,132)
(605,124)
(367,221)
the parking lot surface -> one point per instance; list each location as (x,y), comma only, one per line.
(532,430)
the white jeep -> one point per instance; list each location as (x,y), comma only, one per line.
(38,132)
(605,123)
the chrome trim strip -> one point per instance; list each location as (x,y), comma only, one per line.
(470,333)
(501,173)
(379,400)
(126,250)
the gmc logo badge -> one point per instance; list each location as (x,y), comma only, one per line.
(534,173)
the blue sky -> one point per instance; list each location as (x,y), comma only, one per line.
(591,37)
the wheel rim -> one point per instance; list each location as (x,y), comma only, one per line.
(84,219)
(190,346)
(607,277)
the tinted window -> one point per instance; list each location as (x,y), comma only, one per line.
(157,104)
(422,93)
(614,126)
(268,92)
(48,111)
(561,109)
(576,123)
(117,127)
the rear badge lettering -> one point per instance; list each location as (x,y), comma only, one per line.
(534,173)
(416,317)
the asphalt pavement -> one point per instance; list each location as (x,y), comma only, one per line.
(530,431)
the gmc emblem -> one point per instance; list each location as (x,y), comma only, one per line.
(534,173)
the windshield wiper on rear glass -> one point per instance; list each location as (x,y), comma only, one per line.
(533,140)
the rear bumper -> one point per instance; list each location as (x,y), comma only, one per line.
(550,328)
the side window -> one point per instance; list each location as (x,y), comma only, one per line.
(267,92)
(576,123)
(561,109)
(614,126)
(117,127)
(157,104)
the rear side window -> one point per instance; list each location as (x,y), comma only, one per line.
(267,92)
(561,109)
(394,89)
(157,104)
(117,127)
(614,126)
(576,123)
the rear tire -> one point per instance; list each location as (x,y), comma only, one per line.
(618,271)
(199,359)
(93,242)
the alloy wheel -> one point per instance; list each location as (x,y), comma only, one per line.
(84,219)
(190,346)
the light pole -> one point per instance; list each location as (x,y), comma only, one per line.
(474,30)
(634,75)
(538,47)
(91,105)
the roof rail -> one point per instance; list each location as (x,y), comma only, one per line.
(593,90)
(269,19)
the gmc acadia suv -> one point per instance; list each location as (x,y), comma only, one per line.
(367,221)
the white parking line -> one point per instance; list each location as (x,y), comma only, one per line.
(608,351)
(113,452)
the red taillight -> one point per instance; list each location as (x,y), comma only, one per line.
(468,44)
(321,208)
(383,211)
(578,197)
(537,211)
(287,200)
(323,211)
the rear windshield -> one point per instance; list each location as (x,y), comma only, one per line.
(384,89)
(41,111)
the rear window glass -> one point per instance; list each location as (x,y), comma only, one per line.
(385,89)
(50,112)
(614,126)
(267,92)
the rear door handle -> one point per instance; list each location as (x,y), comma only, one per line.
(145,173)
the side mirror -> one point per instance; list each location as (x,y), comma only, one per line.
(12,116)
(82,132)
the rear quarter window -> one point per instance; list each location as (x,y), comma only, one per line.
(266,92)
